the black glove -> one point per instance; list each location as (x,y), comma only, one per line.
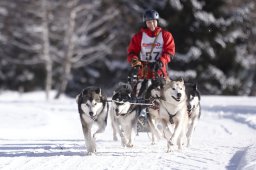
(158,65)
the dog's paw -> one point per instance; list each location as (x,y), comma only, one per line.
(172,148)
(123,142)
(129,145)
(91,151)
(170,143)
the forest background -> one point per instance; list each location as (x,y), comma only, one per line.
(66,45)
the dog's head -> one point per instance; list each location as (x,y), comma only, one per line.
(90,101)
(155,88)
(121,99)
(193,96)
(175,90)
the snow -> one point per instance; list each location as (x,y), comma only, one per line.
(205,17)
(38,134)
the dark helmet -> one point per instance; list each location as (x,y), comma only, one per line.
(150,15)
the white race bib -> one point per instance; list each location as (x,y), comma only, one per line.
(146,46)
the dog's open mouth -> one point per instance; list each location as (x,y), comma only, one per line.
(94,117)
(177,99)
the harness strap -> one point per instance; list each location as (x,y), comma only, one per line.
(131,109)
(170,115)
(132,103)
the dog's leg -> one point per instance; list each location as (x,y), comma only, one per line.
(153,129)
(89,141)
(113,121)
(114,130)
(127,133)
(191,130)
(101,127)
(123,138)
(182,140)
(176,134)
(114,133)
(121,133)
(166,132)
(132,132)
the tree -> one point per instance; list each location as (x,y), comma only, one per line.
(85,25)
(46,48)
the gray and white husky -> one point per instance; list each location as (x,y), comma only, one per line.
(171,110)
(123,115)
(194,109)
(93,110)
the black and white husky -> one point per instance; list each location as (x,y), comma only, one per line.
(123,115)
(194,109)
(93,110)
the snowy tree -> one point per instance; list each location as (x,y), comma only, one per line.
(211,45)
(88,37)
(21,44)
(75,43)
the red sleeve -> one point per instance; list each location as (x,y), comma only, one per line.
(168,48)
(134,47)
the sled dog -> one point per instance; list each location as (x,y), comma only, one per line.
(194,109)
(153,119)
(170,108)
(93,110)
(123,115)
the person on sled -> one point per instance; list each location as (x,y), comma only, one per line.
(149,52)
(151,49)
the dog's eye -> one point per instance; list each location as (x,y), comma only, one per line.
(173,88)
(87,105)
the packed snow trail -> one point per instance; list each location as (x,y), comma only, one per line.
(35,134)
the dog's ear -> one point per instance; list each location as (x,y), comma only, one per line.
(180,79)
(194,86)
(168,79)
(84,92)
(98,91)
(77,98)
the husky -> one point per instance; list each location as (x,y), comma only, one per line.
(193,108)
(170,108)
(93,110)
(123,115)
(153,96)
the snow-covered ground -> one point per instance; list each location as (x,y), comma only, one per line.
(38,134)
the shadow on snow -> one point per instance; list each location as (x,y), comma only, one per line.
(44,149)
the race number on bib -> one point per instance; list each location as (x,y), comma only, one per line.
(151,51)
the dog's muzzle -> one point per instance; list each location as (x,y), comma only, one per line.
(92,116)
(177,99)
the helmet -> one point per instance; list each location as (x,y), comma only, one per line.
(150,15)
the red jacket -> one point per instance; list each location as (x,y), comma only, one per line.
(167,51)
